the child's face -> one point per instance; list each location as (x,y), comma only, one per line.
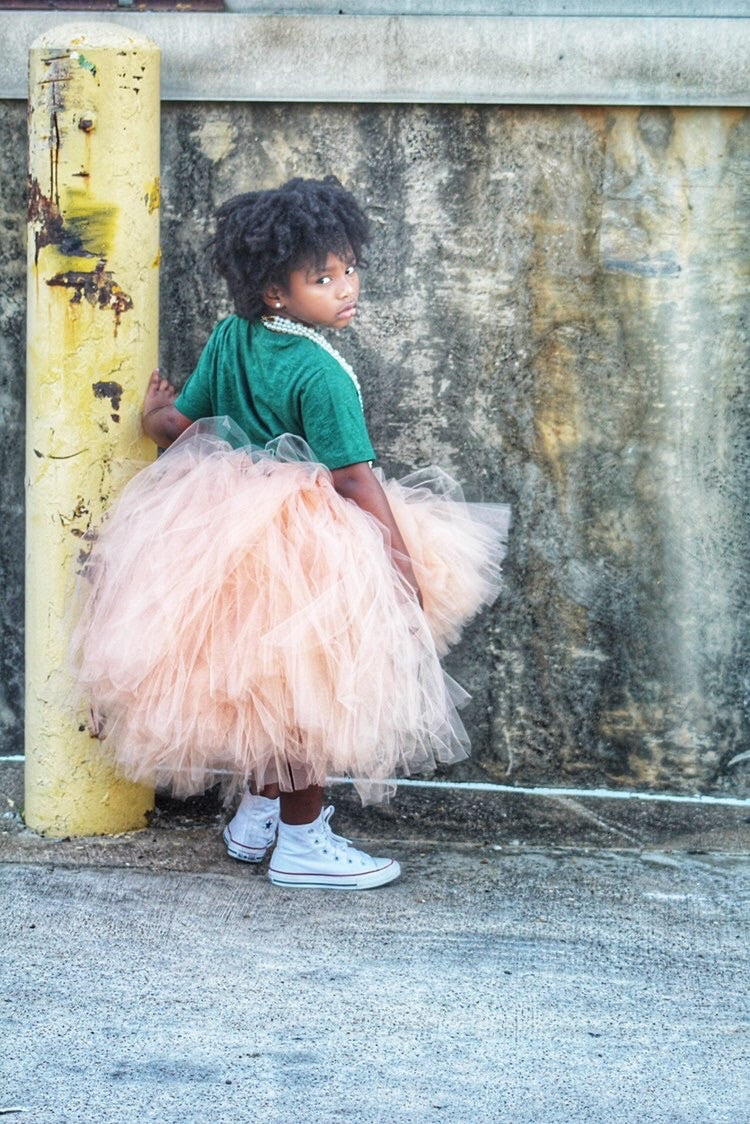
(322,298)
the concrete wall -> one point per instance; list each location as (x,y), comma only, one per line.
(610,59)
(642,8)
(12,390)
(556,311)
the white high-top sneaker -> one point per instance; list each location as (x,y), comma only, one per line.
(311,855)
(252,830)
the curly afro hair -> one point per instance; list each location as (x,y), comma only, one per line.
(262,236)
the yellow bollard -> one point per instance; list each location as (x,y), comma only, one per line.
(92,340)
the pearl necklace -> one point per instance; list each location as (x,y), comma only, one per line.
(294,328)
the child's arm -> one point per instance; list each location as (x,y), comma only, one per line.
(161,421)
(358,482)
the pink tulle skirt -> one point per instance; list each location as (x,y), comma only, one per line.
(239,617)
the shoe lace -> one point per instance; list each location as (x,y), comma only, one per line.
(341,847)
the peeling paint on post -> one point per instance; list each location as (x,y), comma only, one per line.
(93,251)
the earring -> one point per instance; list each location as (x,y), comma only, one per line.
(278,304)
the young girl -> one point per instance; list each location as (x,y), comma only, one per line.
(263,604)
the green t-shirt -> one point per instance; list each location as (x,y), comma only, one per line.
(270,383)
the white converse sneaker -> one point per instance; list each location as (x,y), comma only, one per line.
(253,828)
(311,855)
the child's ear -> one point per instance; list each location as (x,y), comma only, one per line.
(272,298)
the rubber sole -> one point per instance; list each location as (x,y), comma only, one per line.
(368,880)
(241,852)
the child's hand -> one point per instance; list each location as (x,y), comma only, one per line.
(358,482)
(162,422)
(159,393)
(405,567)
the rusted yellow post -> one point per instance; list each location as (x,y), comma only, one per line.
(92,340)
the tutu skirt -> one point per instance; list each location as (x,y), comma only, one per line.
(239,617)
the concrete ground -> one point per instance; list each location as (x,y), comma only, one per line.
(150,978)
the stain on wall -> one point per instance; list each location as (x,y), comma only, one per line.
(555,310)
(13,204)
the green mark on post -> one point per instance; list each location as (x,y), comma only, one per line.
(84,62)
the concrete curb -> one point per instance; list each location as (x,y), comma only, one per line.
(435,816)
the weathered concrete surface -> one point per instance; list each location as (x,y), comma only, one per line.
(556,311)
(532,987)
(345,56)
(12,409)
(643,8)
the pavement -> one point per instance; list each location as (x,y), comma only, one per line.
(519,974)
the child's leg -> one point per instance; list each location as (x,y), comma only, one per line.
(270,791)
(303,806)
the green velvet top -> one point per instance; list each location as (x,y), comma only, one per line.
(270,383)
